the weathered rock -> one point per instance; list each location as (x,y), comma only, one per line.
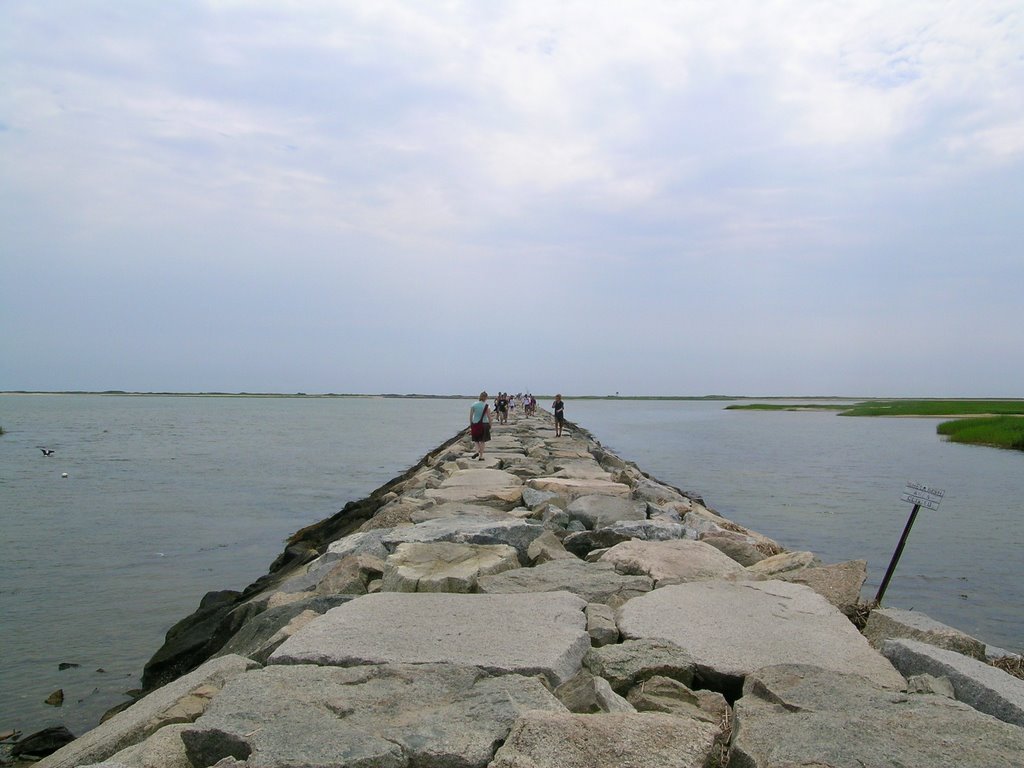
(584,469)
(445,566)
(631,662)
(587,694)
(469,530)
(975,683)
(840,583)
(582,543)
(365,543)
(43,743)
(930,684)
(603,510)
(601,624)
(785,564)
(197,637)
(673,562)
(894,623)
(615,740)
(347,576)
(655,492)
(261,635)
(649,530)
(387,716)
(594,582)
(148,715)
(493,487)
(571,488)
(804,716)
(547,547)
(735,546)
(164,749)
(519,634)
(663,694)
(733,628)
(454,509)
(534,498)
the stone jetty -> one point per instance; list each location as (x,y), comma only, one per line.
(554,606)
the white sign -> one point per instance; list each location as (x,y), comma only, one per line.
(922,495)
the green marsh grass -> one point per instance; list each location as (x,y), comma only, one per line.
(999,431)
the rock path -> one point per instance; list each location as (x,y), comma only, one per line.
(551,606)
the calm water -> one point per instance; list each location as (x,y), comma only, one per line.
(169,497)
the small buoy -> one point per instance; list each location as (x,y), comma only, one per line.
(63,474)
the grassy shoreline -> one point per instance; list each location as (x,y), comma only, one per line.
(997,423)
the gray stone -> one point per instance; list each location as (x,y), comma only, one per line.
(261,635)
(840,583)
(469,530)
(894,624)
(673,562)
(503,634)
(733,628)
(445,566)
(586,469)
(453,509)
(594,582)
(930,684)
(614,740)
(388,716)
(649,530)
(655,492)
(735,546)
(587,694)
(547,547)
(784,564)
(975,683)
(601,511)
(601,624)
(145,717)
(367,542)
(804,716)
(572,488)
(582,543)
(164,749)
(631,662)
(663,694)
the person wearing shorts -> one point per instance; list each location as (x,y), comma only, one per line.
(558,407)
(480,425)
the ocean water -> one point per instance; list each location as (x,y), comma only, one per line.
(167,498)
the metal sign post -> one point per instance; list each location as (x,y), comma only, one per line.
(919,496)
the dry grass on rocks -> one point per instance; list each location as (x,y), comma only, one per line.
(1013,665)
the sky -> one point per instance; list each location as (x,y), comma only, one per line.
(760,198)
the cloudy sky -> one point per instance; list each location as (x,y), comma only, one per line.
(761,198)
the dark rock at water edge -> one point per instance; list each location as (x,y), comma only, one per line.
(43,743)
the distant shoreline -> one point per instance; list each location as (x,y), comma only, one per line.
(421,396)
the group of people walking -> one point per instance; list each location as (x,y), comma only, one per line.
(480,416)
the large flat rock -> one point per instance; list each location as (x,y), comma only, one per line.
(389,716)
(614,740)
(733,628)
(477,478)
(468,529)
(594,582)
(984,687)
(573,488)
(804,716)
(895,623)
(524,634)
(597,511)
(674,561)
(445,566)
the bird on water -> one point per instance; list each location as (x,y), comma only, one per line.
(47,451)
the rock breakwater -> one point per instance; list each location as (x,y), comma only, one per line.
(552,606)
